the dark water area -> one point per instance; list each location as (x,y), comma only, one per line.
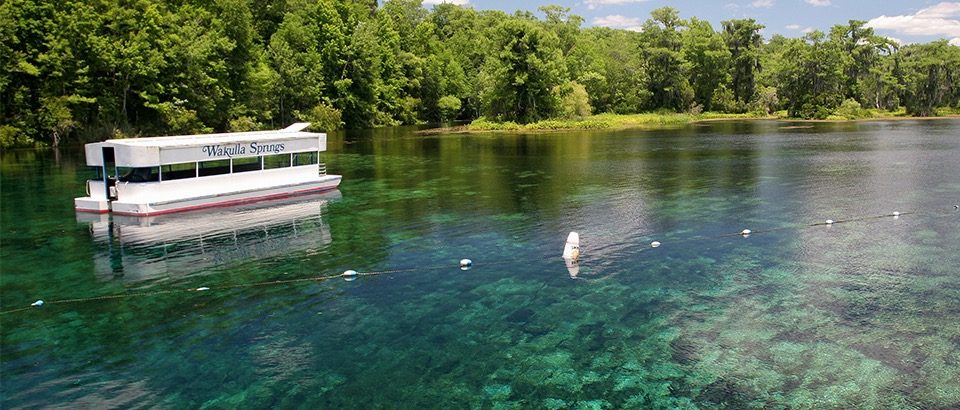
(798,314)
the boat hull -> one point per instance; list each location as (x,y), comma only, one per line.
(120,207)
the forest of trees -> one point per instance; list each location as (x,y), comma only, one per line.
(73,70)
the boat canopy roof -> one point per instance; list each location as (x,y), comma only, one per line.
(154,151)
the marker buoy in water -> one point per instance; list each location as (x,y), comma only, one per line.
(37,303)
(466,264)
(829,221)
(746,232)
(350,275)
(655,244)
(573,268)
(571,249)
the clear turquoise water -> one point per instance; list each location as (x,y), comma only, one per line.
(860,314)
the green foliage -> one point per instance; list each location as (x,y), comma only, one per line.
(850,109)
(449,107)
(665,66)
(574,100)
(765,101)
(322,117)
(567,125)
(12,137)
(178,118)
(74,69)
(482,124)
(744,42)
(809,76)
(931,77)
(522,72)
(863,52)
(244,123)
(723,100)
(55,115)
(615,80)
(707,60)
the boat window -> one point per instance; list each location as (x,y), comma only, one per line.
(305,158)
(178,171)
(215,167)
(276,161)
(246,164)
(143,174)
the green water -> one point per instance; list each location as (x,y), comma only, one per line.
(859,314)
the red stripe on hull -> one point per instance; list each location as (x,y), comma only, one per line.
(92,211)
(230,202)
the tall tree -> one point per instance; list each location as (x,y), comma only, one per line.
(566,27)
(707,60)
(616,81)
(932,73)
(744,42)
(862,50)
(665,67)
(525,67)
(809,76)
(307,51)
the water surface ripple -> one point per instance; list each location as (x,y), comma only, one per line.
(858,314)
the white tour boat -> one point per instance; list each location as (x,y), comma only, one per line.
(160,175)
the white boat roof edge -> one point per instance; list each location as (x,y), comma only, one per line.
(153,151)
(219,138)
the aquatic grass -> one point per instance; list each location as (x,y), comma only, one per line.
(604,121)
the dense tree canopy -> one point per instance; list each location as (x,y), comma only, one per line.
(73,70)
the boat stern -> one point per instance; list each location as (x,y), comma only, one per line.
(88,204)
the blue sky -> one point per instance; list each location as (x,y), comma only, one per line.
(905,21)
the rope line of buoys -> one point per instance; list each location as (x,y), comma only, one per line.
(571,254)
(348,275)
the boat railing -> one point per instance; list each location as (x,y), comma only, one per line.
(322,169)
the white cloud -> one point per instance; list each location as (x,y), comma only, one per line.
(938,20)
(818,3)
(955,41)
(457,2)
(618,21)
(896,40)
(766,4)
(592,4)
(797,27)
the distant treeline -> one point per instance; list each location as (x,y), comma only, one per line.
(86,69)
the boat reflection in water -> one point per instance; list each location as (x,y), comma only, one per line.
(135,248)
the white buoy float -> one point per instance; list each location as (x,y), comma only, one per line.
(896,214)
(38,303)
(829,221)
(201,289)
(746,232)
(466,264)
(350,275)
(571,249)
(655,244)
(573,267)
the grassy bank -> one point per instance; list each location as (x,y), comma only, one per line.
(670,120)
(594,122)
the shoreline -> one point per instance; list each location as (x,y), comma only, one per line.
(654,122)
